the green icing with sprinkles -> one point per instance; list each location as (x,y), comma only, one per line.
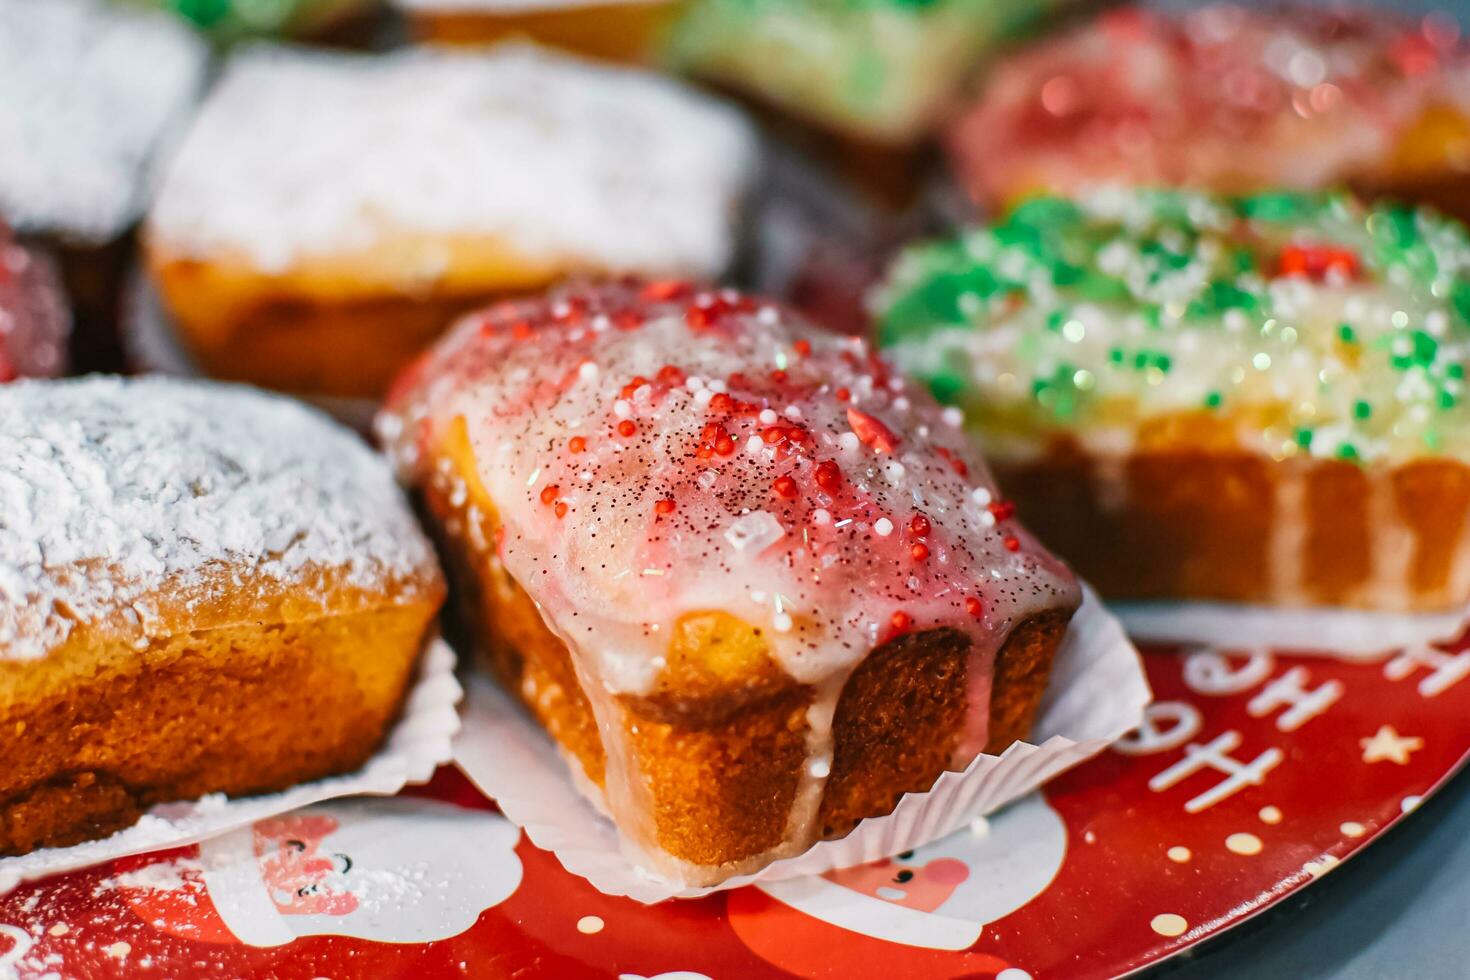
(1312,323)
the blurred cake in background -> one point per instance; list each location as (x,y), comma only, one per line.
(621,30)
(1257,399)
(1228,99)
(89,92)
(329,214)
(877,70)
(34,321)
(232,20)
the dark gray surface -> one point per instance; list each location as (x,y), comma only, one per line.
(1399,909)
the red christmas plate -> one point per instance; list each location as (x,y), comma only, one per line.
(1253,776)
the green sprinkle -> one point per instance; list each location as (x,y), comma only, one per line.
(1214,399)
(1455,370)
(1347,451)
(1346,334)
(1361,409)
(1304,437)
(1116,355)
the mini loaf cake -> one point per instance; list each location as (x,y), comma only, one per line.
(203,589)
(1227,99)
(623,30)
(34,321)
(1257,399)
(878,70)
(328,215)
(755,587)
(89,94)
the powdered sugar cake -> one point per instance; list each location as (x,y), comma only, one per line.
(755,586)
(202,589)
(330,203)
(89,92)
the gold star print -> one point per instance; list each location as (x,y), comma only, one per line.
(1389,744)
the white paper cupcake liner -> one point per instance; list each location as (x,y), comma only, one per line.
(150,346)
(418,744)
(1344,634)
(1097,692)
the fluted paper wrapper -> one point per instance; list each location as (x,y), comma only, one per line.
(418,744)
(1343,634)
(1097,692)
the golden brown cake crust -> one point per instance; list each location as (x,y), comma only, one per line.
(239,710)
(1234,526)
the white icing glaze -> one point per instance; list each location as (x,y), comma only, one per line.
(88,91)
(596,418)
(114,489)
(299,154)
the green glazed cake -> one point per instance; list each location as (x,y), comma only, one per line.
(1252,398)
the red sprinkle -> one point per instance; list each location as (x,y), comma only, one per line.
(548,494)
(638,382)
(627,320)
(779,377)
(802,347)
(974,607)
(871,432)
(1002,510)
(786,487)
(900,622)
(920,551)
(773,435)
(1316,262)
(664,289)
(829,476)
(561,509)
(576,444)
(671,376)
(721,402)
(1012,544)
(521,330)
(626,427)
(843,394)
(919,525)
(664,506)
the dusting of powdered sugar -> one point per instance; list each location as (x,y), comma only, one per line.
(112,489)
(610,169)
(88,92)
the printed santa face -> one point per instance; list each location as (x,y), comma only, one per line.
(398,870)
(939,896)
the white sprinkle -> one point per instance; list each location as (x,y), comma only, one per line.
(883,527)
(715,385)
(754,444)
(622,409)
(894,470)
(821,516)
(535,475)
(585,476)
(694,383)
(643,393)
(767,417)
(952,417)
(820,768)
(781,623)
(708,478)
(588,371)
(849,442)
(987,518)
(900,404)
(755,532)
(768,316)
(792,412)
(981,495)
(702,397)
(844,522)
